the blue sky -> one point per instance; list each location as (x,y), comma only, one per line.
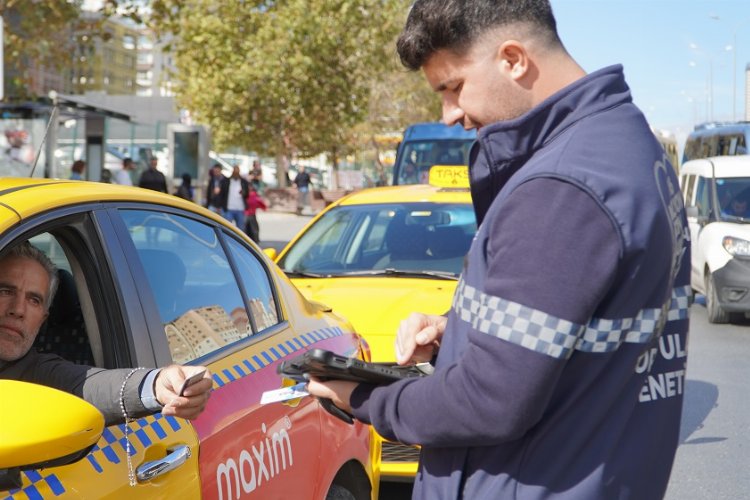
(674,52)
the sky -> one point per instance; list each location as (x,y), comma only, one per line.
(677,54)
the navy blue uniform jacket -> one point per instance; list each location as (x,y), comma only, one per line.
(561,371)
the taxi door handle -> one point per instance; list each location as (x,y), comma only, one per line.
(150,470)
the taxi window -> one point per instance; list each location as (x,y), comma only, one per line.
(261,301)
(196,293)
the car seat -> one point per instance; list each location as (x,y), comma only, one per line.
(448,242)
(166,275)
(406,243)
(64,332)
(448,246)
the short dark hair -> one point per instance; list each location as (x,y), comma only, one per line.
(455,25)
(78,166)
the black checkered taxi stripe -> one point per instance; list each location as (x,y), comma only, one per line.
(546,334)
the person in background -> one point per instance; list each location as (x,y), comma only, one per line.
(213,189)
(28,282)
(76,170)
(106,176)
(410,174)
(575,293)
(186,189)
(256,177)
(737,207)
(302,181)
(122,176)
(152,178)
(253,202)
(233,197)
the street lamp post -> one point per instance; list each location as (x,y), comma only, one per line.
(734,62)
(709,80)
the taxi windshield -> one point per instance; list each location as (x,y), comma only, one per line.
(425,240)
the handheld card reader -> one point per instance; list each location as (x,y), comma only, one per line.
(327,365)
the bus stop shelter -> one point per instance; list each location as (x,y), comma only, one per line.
(29,138)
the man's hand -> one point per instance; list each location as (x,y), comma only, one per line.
(418,338)
(338,391)
(167,389)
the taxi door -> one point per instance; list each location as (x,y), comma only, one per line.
(105,472)
(209,300)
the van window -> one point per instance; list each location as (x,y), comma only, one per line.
(721,140)
(688,188)
(733,195)
(428,144)
(691,149)
(703,197)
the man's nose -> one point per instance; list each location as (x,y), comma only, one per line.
(452,112)
(17,306)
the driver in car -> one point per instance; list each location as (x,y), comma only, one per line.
(28,281)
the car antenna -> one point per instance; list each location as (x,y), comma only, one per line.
(53,96)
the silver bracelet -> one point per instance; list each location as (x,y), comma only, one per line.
(131,473)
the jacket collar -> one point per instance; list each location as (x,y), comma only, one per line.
(502,148)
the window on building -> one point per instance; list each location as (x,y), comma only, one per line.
(128,42)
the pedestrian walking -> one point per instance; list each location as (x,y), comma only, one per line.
(551,369)
(153,178)
(234,197)
(213,189)
(76,170)
(302,182)
(254,203)
(185,190)
(122,176)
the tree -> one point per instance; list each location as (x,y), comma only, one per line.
(40,34)
(280,78)
(398,99)
(36,34)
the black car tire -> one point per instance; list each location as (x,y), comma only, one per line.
(716,314)
(338,492)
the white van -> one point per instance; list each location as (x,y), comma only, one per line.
(716,191)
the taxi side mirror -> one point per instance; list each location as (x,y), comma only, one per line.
(43,427)
(271,253)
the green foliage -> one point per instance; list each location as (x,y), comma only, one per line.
(35,31)
(288,76)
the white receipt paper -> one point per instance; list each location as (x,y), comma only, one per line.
(284,394)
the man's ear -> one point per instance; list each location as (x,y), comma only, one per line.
(514,59)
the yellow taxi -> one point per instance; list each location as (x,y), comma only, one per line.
(148,279)
(379,254)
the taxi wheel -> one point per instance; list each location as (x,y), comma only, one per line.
(338,492)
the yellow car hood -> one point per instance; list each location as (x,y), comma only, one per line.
(376,305)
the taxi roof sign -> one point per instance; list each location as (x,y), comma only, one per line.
(449,176)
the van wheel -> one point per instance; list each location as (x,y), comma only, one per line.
(716,314)
(338,492)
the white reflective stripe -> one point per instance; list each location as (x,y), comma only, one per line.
(516,323)
(682,299)
(547,334)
